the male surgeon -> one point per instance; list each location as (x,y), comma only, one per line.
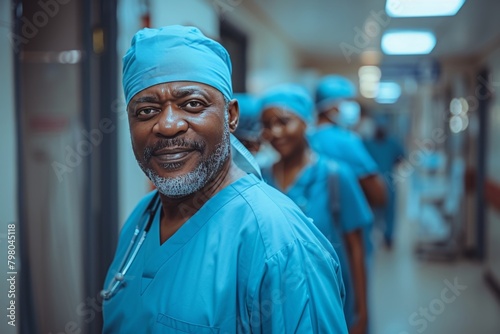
(213,249)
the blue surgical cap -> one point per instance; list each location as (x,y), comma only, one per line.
(331,89)
(249,126)
(175,53)
(290,97)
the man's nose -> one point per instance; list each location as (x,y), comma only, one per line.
(171,122)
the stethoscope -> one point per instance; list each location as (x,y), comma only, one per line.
(126,262)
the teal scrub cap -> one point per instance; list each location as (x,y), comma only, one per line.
(249,127)
(175,53)
(291,97)
(331,89)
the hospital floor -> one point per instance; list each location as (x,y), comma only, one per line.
(410,295)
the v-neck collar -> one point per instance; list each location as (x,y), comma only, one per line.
(155,255)
(302,176)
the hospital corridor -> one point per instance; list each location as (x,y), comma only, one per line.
(412,290)
(250,166)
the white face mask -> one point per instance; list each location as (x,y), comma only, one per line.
(366,128)
(349,114)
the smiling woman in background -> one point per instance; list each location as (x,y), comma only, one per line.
(325,190)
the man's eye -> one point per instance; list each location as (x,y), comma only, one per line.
(193,105)
(146,112)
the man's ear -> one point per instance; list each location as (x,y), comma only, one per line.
(234,114)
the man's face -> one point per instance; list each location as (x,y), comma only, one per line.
(180,135)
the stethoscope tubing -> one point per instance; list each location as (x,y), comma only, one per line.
(128,258)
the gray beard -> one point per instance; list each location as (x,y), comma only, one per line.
(195,180)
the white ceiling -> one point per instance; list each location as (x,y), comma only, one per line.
(319,28)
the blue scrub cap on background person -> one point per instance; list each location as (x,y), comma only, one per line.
(291,97)
(175,53)
(249,126)
(331,89)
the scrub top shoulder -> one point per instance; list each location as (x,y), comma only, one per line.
(343,145)
(247,261)
(386,152)
(311,192)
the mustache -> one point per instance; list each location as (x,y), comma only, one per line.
(174,142)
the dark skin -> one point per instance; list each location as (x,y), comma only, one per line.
(373,185)
(188,111)
(355,251)
(251,145)
(286,133)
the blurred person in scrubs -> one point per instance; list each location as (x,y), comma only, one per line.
(249,130)
(249,127)
(335,106)
(387,153)
(326,191)
(213,249)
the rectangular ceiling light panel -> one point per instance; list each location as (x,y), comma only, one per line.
(408,42)
(422,8)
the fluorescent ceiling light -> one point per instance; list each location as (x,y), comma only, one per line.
(369,73)
(369,77)
(369,90)
(422,8)
(388,92)
(459,123)
(456,106)
(410,42)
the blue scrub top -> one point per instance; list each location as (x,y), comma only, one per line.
(310,191)
(386,152)
(248,261)
(343,145)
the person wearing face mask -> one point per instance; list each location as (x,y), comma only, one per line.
(325,190)
(249,128)
(335,106)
